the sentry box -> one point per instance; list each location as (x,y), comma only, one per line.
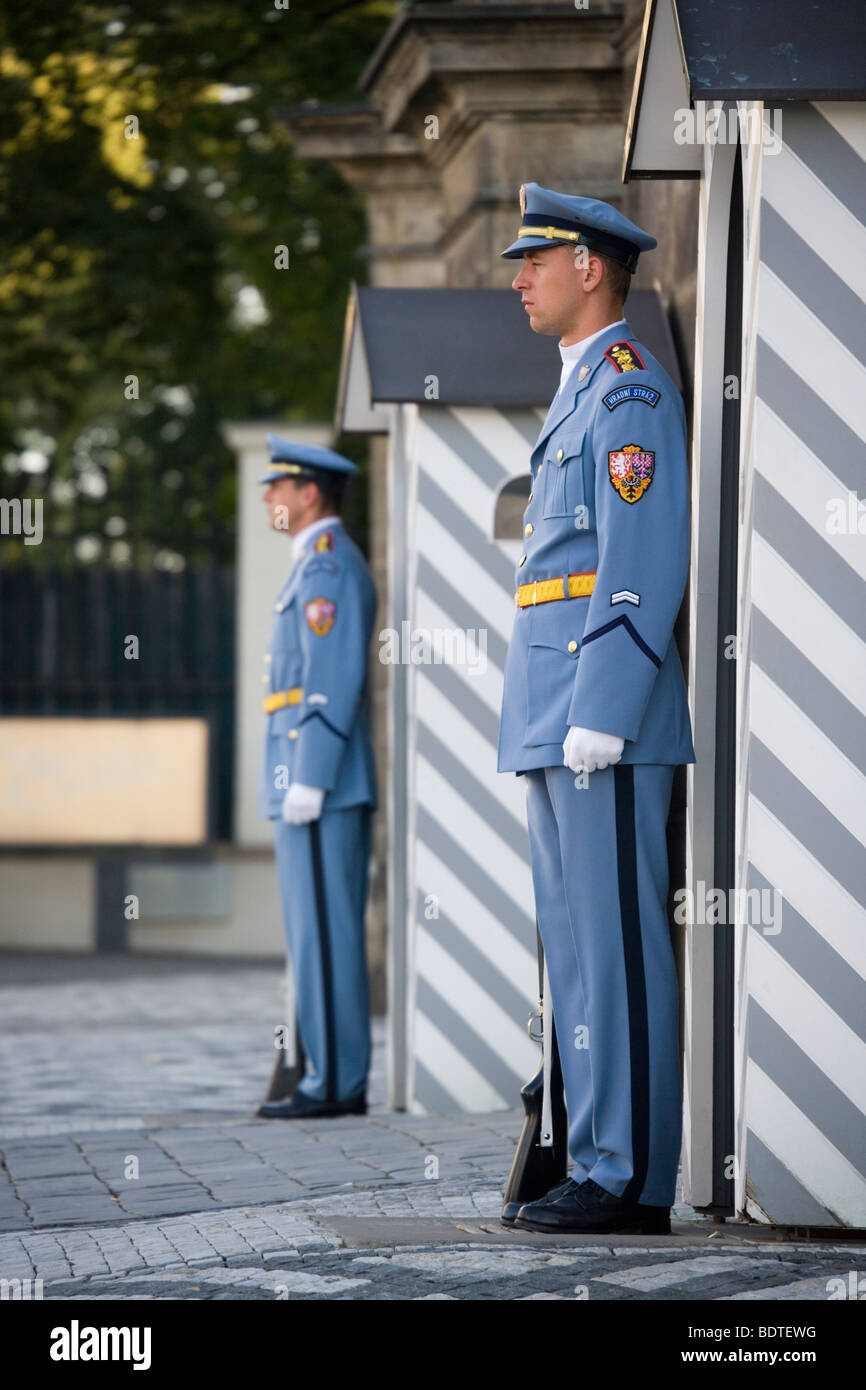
(775,1057)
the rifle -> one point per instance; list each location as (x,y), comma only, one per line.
(541,1157)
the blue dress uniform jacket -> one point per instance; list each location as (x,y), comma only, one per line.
(317,659)
(610,503)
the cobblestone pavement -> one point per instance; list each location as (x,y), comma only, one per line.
(133,1169)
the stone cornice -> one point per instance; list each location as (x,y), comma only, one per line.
(345,131)
(450,18)
(428,48)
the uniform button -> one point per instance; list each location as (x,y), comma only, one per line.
(572,646)
(559,453)
(527,530)
(293,733)
(279,607)
(267,656)
(265,680)
(521,561)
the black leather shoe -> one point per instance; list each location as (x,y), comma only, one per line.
(585,1208)
(302,1107)
(509,1211)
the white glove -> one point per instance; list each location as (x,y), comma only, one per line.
(587,750)
(302,804)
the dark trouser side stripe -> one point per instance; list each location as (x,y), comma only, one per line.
(635,979)
(327,964)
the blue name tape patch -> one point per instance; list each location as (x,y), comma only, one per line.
(315,566)
(647,394)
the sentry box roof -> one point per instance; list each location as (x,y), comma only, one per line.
(477,344)
(736,50)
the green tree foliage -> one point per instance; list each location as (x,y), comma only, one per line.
(145,188)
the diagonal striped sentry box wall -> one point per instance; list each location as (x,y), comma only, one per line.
(473,920)
(803,997)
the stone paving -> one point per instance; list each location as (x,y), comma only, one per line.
(133,1169)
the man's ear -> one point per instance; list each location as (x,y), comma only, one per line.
(595,271)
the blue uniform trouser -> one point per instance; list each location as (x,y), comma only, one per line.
(323,881)
(600,873)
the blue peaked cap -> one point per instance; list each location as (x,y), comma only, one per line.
(580,222)
(312,461)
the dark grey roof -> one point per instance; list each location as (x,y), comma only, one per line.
(479,345)
(806,50)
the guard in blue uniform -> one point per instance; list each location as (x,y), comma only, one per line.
(318,780)
(595,712)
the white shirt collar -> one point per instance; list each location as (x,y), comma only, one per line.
(301,539)
(572,352)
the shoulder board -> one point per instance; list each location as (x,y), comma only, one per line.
(625,357)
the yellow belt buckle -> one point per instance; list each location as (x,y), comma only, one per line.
(534,591)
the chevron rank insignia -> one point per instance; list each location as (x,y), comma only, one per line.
(631,471)
(625,357)
(324,542)
(320,614)
(625,596)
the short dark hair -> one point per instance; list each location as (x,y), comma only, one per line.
(330,496)
(617,276)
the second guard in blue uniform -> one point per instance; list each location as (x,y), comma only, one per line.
(318,781)
(595,712)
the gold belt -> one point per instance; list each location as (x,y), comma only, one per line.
(545,590)
(281,698)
